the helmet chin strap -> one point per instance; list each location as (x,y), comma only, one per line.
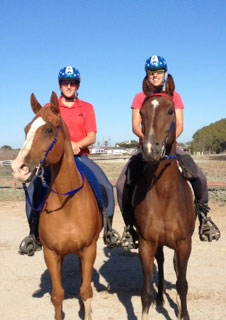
(165,81)
(74,98)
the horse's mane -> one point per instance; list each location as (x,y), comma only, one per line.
(149,89)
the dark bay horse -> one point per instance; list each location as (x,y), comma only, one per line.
(163,201)
(69,224)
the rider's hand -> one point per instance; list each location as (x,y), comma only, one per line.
(75,147)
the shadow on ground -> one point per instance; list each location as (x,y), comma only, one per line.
(122,273)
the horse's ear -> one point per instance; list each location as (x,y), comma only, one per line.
(148,88)
(54,102)
(170,85)
(35,104)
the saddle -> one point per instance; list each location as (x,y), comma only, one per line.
(188,166)
(92,181)
(111,236)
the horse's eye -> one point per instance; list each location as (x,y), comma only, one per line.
(48,131)
(170,112)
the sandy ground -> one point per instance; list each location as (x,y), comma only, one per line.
(26,286)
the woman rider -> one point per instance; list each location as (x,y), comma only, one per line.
(81,121)
(155,80)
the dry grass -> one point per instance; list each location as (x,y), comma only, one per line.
(213,166)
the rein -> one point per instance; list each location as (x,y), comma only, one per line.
(40,174)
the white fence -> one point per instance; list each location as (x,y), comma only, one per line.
(5,163)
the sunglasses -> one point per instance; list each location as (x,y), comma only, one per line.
(152,72)
(66,83)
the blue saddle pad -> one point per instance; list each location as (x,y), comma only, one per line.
(92,180)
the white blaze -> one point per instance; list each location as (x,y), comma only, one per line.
(20,170)
(30,136)
(155,104)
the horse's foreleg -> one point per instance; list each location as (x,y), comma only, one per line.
(160,261)
(147,253)
(182,255)
(54,265)
(87,259)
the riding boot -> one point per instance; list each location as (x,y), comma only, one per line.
(31,243)
(208,230)
(111,236)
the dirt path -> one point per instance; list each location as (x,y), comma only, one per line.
(25,283)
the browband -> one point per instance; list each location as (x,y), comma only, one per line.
(162,95)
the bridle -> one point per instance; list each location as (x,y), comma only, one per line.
(173,125)
(165,95)
(39,172)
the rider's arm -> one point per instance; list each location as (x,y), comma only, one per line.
(85,142)
(179,122)
(136,123)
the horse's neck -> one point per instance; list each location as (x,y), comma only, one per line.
(167,169)
(65,174)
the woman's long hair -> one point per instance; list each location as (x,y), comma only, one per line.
(149,89)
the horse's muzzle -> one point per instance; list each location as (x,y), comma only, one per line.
(152,153)
(22,173)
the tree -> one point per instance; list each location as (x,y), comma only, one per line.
(128,144)
(5,147)
(211,139)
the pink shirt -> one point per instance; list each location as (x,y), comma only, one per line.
(140,97)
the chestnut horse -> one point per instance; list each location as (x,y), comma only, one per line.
(163,201)
(70,221)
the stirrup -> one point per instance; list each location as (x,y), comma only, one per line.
(112,238)
(128,241)
(29,245)
(208,231)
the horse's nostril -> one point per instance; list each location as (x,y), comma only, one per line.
(24,168)
(156,143)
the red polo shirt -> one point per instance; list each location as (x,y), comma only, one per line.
(80,120)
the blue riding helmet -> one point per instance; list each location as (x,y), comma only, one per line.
(155,63)
(69,73)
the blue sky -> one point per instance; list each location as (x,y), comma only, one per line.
(109,41)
